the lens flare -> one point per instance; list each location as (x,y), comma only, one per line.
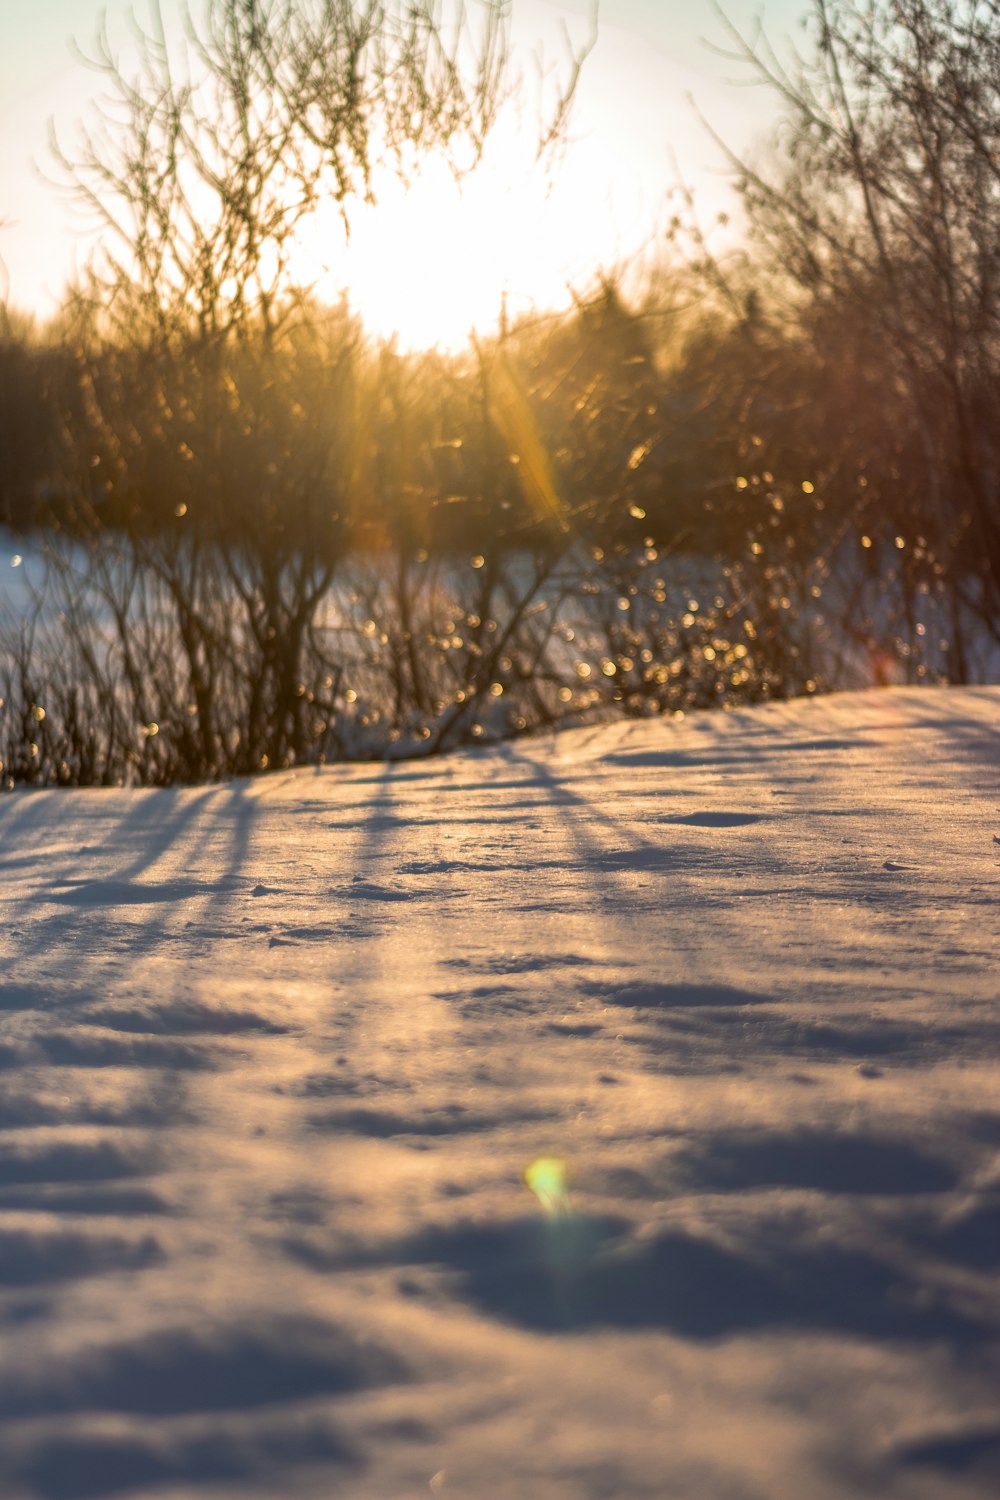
(548,1179)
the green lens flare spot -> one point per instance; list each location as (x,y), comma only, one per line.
(548,1179)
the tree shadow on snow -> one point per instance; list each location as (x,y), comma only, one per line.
(81,914)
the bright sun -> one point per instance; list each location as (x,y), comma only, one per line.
(433,261)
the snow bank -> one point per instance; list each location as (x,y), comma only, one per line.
(276,1056)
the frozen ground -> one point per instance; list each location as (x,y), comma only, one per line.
(275,1056)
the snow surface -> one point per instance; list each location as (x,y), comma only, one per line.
(275,1056)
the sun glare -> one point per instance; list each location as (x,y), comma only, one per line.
(435,259)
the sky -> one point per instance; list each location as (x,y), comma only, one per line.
(436,262)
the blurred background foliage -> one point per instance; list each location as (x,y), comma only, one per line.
(262,539)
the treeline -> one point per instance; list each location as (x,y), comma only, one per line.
(270,542)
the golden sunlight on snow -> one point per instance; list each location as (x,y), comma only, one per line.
(611,1113)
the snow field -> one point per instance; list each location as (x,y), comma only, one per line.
(274,1057)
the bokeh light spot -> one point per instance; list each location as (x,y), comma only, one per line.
(548,1179)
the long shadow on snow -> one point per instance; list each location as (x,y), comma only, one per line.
(818,1160)
(449,1119)
(179,1017)
(701,1034)
(37,1258)
(970,1238)
(581,817)
(148,1104)
(973,1454)
(654,995)
(686,854)
(88,1467)
(151,826)
(764,746)
(582,811)
(177,1372)
(576,1273)
(366,890)
(75,1178)
(88,1201)
(68,1049)
(71,1161)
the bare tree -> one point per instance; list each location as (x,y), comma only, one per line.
(216,448)
(877,229)
(210,150)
